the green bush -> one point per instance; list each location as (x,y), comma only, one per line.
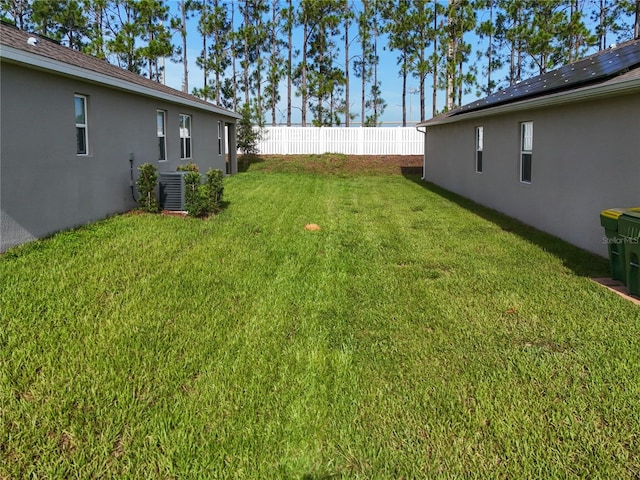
(194,196)
(147,182)
(214,189)
(188,167)
(249,133)
(202,199)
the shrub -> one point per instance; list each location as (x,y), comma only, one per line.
(147,181)
(214,189)
(194,196)
(188,167)
(248,135)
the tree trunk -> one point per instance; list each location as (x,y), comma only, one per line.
(490,49)
(205,63)
(274,6)
(364,85)
(404,89)
(375,73)
(434,92)
(245,66)
(346,65)
(636,25)
(289,60)
(303,84)
(185,64)
(234,72)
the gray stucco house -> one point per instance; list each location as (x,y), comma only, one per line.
(74,130)
(552,151)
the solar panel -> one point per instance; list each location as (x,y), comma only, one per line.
(599,66)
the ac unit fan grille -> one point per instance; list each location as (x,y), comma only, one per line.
(172,191)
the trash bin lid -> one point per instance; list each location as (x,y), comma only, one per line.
(632,214)
(629,224)
(609,217)
(613,213)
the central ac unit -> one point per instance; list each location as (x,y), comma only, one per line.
(172,191)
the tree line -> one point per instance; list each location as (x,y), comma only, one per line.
(324,55)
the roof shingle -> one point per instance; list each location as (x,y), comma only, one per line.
(11,36)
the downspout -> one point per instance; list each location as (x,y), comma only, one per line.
(424,154)
(131,182)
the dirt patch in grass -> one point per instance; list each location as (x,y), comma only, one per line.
(336,164)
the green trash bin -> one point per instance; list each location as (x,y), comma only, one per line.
(615,242)
(629,230)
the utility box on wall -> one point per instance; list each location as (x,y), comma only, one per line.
(172,191)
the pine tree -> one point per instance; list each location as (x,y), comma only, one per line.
(347,16)
(397,27)
(16,11)
(96,12)
(124,29)
(179,23)
(460,17)
(288,14)
(275,69)
(422,35)
(152,15)
(205,29)
(492,62)
(323,78)
(511,20)
(253,36)
(364,66)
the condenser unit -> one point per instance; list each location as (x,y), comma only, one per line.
(172,191)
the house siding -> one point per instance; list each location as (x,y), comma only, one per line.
(46,186)
(586,158)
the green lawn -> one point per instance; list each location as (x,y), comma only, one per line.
(416,335)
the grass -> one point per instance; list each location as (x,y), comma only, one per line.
(417,335)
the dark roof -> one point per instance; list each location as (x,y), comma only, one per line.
(601,67)
(11,36)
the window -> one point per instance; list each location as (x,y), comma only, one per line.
(82,130)
(526,151)
(479,148)
(185,136)
(219,138)
(162,137)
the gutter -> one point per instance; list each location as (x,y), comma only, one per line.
(424,153)
(18,56)
(554,99)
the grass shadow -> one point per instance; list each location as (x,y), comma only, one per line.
(224,204)
(410,171)
(578,260)
(245,161)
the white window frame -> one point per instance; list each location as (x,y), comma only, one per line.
(526,148)
(186,145)
(79,125)
(479,148)
(162,135)
(219,138)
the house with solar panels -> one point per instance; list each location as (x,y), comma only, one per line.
(552,151)
(75,129)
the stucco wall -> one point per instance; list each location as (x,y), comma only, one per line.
(586,158)
(45,186)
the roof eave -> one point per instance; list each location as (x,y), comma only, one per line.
(560,98)
(18,56)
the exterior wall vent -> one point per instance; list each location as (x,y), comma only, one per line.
(172,191)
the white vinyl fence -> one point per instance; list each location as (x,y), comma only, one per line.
(350,141)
